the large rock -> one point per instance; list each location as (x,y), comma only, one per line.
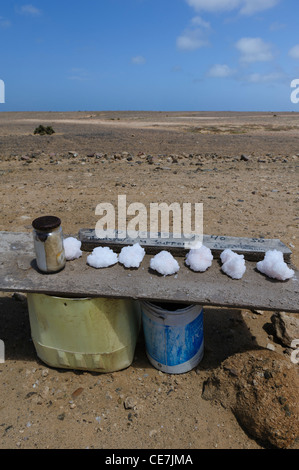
(261,388)
(286,327)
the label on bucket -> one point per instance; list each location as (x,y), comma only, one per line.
(173,345)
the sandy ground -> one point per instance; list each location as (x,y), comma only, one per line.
(195,158)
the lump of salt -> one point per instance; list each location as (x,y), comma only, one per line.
(164,263)
(199,258)
(273,265)
(72,248)
(228,254)
(102,257)
(131,256)
(233,264)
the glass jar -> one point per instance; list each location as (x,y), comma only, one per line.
(48,244)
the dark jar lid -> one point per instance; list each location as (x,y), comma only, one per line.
(47,222)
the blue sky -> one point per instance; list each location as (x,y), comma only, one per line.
(163,55)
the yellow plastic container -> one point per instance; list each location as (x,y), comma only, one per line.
(95,334)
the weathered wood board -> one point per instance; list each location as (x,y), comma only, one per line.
(18,273)
(252,248)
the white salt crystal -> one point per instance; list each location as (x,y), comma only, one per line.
(131,256)
(199,258)
(274,266)
(164,263)
(233,264)
(102,257)
(227,254)
(72,248)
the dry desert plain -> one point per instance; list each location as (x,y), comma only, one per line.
(243,167)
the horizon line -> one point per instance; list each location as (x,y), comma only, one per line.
(148,111)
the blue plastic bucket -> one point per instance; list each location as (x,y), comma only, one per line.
(173,336)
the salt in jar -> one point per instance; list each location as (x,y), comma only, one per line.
(48,244)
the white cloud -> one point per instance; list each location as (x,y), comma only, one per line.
(246,7)
(277,26)
(198,21)
(265,78)
(191,40)
(213,5)
(138,60)
(254,50)
(294,52)
(253,6)
(195,36)
(4,23)
(78,74)
(220,71)
(28,10)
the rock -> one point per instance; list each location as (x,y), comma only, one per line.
(162,167)
(73,154)
(30,394)
(245,158)
(77,392)
(45,372)
(286,327)
(262,393)
(150,159)
(19,297)
(129,403)
(294,353)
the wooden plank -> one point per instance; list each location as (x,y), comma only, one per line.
(18,272)
(252,248)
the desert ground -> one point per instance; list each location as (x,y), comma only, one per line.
(243,167)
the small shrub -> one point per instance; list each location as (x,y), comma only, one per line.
(41,130)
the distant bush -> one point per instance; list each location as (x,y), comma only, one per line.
(41,130)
